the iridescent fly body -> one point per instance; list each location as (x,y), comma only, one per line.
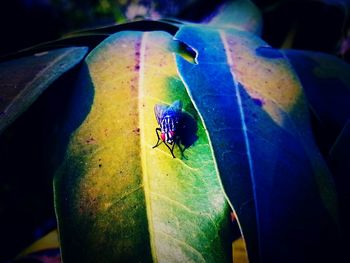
(168,118)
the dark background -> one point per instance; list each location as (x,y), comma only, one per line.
(26,205)
(320,25)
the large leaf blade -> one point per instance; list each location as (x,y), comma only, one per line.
(268,163)
(116,197)
(24,79)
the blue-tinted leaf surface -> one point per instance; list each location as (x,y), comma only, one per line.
(23,80)
(253,109)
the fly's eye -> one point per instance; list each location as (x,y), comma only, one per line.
(162,135)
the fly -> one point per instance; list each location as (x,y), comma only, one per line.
(168,118)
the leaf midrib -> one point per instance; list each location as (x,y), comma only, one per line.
(144,169)
(244,129)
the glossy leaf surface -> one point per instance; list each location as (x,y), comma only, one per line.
(23,80)
(118,199)
(253,108)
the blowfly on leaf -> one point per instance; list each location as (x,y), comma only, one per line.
(168,118)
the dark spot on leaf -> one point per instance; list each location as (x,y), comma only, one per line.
(90,140)
(137,56)
(258,102)
(268,52)
(100,165)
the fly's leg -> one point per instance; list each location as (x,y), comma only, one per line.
(157,130)
(171,149)
(181,150)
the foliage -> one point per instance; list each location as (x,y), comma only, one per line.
(251,145)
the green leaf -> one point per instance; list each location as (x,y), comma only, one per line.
(117,198)
(255,115)
(22,80)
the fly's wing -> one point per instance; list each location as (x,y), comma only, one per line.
(159,111)
(175,106)
(174,110)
